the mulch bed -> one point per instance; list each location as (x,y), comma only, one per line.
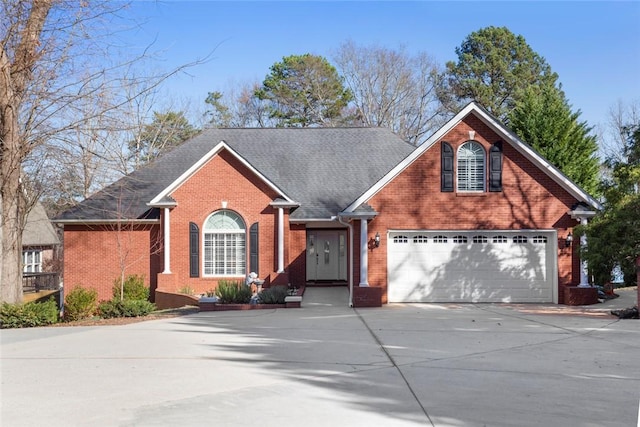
(161,314)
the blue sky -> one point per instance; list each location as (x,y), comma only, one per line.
(593,46)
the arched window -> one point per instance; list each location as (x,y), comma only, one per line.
(471,158)
(224,244)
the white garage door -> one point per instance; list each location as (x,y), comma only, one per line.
(472,266)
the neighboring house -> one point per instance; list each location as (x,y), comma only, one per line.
(471,215)
(39,240)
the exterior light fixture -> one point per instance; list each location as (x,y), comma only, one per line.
(376,240)
(568,240)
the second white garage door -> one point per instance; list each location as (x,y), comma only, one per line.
(472,266)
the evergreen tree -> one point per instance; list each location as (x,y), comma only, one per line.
(614,235)
(304,90)
(167,130)
(542,118)
(494,68)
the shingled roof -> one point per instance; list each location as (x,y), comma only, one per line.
(322,169)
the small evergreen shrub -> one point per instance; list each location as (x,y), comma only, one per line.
(186,290)
(29,314)
(233,292)
(134,288)
(80,303)
(125,308)
(274,295)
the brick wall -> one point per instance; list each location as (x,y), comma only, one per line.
(529,200)
(93,255)
(223,178)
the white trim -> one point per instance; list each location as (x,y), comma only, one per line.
(203,160)
(503,132)
(280,240)
(364,253)
(167,241)
(106,221)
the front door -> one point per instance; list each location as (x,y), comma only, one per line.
(326,255)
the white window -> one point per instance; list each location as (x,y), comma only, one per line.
(459,239)
(539,239)
(519,239)
(499,239)
(471,159)
(439,239)
(31,261)
(400,239)
(420,239)
(480,239)
(224,245)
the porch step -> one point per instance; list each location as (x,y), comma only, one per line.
(327,296)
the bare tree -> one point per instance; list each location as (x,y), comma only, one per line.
(614,139)
(55,57)
(392,89)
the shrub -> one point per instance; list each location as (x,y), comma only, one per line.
(29,314)
(233,292)
(80,304)
(125,308)
(134,288)
(186,290)
(274,295)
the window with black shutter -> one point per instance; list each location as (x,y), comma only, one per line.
(253,248)
(446,178)
(194,250)
(495,167)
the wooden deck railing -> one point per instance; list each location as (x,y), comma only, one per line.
(35,282)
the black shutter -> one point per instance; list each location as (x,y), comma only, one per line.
(495,167)
(446,178)
(194,250)
(253,248)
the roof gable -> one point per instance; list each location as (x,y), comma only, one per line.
(321,169)
(524,149)
(164,195)
(38,230)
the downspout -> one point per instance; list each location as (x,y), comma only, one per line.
(350,227)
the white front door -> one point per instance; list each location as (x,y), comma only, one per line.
(326,255)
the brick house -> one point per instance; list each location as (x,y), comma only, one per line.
(471,215)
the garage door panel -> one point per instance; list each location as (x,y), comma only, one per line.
(471,272)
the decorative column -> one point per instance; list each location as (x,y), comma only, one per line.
(167,241)
(584,266)
(280,239)
(364,255)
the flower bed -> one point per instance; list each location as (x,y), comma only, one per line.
(291,301)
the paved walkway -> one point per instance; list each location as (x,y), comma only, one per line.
(328,365)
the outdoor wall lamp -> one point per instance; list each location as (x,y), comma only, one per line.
(568,240)
(376,240)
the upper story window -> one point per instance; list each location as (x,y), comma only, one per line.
(224,244)
(31,261)
(471,167)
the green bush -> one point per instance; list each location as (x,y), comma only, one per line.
(134,288)
(186,290)
(233,292)
(274,295)
(29,314)
(125,308)
(80,303)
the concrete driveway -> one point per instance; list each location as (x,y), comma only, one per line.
(328,365)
